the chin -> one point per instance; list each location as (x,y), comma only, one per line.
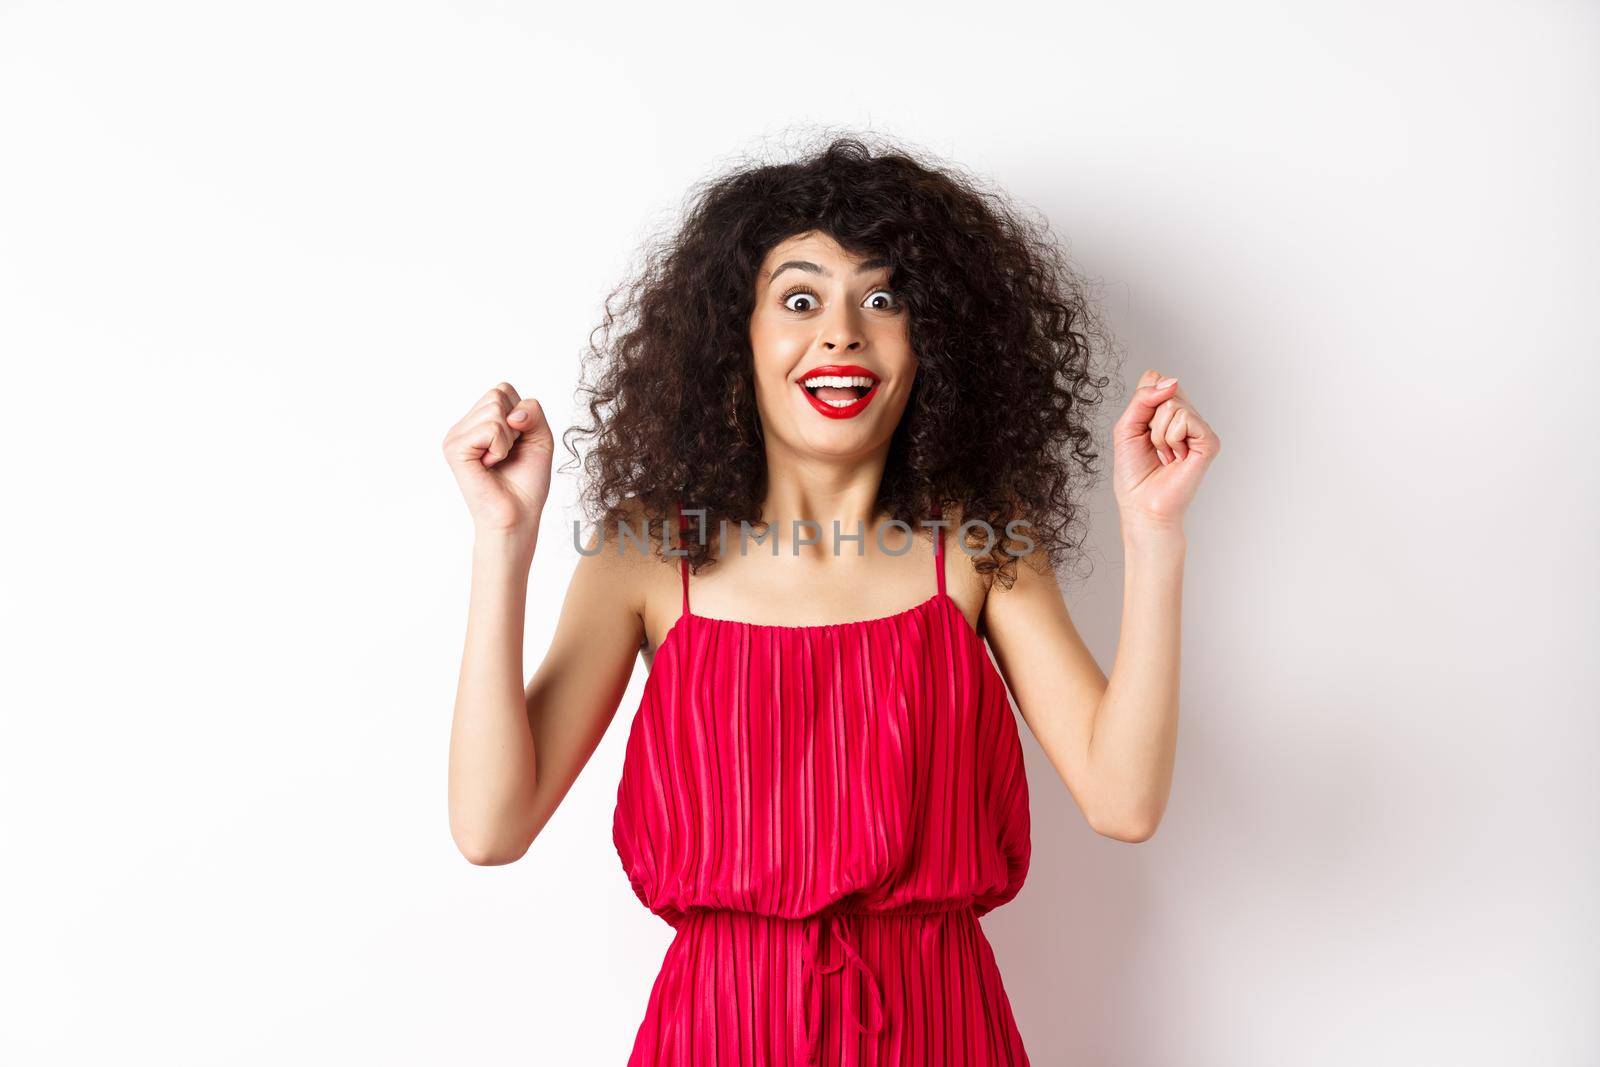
(808,432)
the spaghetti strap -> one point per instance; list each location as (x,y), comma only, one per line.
(683,561)
(938,550)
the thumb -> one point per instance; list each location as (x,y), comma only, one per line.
(528,422)
(527,417)
(1153,391)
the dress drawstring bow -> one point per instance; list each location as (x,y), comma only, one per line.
(813,986)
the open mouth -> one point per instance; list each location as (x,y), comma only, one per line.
(839,392)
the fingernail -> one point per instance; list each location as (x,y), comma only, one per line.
(1163,383)
(518,416)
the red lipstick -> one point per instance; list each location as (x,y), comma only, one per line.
(840,370)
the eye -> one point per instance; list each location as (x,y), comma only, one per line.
(800,291)
(888,293)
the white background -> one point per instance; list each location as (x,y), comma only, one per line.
(255,259)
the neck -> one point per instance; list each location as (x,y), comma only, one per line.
(823,491)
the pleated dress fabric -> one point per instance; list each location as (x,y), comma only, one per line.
(822,813)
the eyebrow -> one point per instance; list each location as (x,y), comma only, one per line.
(812,268)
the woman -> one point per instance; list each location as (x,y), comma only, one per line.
(823,788)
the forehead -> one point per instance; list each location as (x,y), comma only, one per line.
(814,246)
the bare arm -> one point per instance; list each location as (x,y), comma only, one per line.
(574,694)
(492,776)
(1114,741)
(515,750)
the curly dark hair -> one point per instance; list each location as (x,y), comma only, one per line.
(997,424)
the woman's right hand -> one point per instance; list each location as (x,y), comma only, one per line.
(500,455)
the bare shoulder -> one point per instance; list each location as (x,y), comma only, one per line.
(628,571)
(615,569)
(964,583)
(980,593)
(1030,606)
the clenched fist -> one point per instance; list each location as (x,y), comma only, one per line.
(1162,451)
(500,455)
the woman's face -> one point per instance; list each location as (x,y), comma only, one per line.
(820,309)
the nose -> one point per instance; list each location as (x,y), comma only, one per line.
(842,333)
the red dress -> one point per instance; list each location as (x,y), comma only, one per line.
(822,813)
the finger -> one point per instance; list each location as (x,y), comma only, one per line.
(1158,429)
(1178,434)
(486,398)
(474,442)
(505,438)
(501,396)
(501,399)
(488,415)
(1200,431)
(495,407)
(1199,436)
(496,400)
(527,415)
(1135,419)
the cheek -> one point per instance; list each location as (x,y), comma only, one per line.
(905,365)
(770,382)
(775,356)
(770,369)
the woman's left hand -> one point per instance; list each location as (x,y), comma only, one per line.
(1161,448)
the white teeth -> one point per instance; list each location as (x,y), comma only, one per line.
(838,382)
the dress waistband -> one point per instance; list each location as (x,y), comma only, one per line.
(812,987)
(842,924)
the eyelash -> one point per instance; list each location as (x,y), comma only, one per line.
(783,301)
